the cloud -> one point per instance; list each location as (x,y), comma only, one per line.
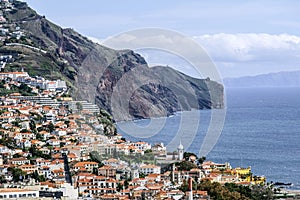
(252,53)
(251,47)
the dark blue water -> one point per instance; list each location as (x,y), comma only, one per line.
(261,130)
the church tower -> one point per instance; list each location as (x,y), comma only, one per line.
(180,151)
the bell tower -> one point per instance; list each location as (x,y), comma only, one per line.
(180,150)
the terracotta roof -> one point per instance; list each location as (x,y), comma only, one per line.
(149,166)
(82,164)
(5,190)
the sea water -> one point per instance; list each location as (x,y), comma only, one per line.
(261,130)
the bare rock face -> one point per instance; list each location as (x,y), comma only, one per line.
(118,81)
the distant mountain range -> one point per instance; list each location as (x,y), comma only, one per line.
(280,79)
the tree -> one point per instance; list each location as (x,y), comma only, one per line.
(79,106)
(73,140)
(95,171)
(95,157)
(32,126)
(24,131)
(2,179)
(260,192)
(186,155)
(186,165)
(39,136)
(184,186)
(148,151)
(142,175)
(37,177)
(37,117)
(126,184)
(25,89)
(67,122)
(51,127)
(236,192)
(17,174)
(16,122)
(17,155)
(37,153)
(201,160)
(119,187)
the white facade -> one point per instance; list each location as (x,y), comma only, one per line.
(13,193)
(4,149)
(149,169)
(13,75)
(180,151)
(55,85)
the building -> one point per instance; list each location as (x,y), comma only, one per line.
(13,75)
(55,85)
(96,185)
(19,161)
(107,171)
(76,106)
(149,169)
(14,193)
(180,150)
(88,166)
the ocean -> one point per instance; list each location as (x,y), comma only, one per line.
(261,130)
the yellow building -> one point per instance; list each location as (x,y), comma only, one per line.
(258,180)
(245,174)
(242,171)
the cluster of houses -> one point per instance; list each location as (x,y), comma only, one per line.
(35,82)
(47,150)
(53,149)
(8,30)
(11,34)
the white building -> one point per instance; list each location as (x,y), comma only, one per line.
(142,145)
(180,151)
(14,193)
(4,149)
(149,169)
(13,75)
(19,161)
(55,85)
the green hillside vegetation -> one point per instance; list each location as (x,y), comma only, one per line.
(231,191)
(23,89)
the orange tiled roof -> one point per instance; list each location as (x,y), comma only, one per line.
(82,164)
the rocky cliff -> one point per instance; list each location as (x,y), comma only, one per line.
(98,74)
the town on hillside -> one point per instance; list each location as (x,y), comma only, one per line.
(53,146)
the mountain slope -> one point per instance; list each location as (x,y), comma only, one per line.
(94,72)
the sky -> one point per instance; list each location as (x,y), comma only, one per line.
(241,37)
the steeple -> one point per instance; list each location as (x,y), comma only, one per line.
(180,149)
